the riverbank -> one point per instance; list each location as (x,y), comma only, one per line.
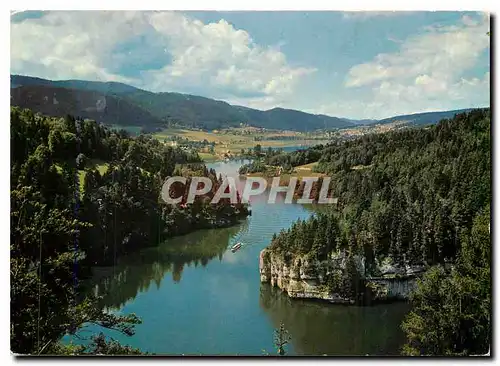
(194,290)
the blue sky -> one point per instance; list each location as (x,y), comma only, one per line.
(355,65)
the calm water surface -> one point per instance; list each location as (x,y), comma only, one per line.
(195,296)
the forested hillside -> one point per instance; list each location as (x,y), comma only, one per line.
(108,109)
(147,109)
(125,105)
(423,118)
(82,195)
(418,197)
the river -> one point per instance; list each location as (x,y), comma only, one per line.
(195,296)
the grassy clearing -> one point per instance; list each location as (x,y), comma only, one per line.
(309,166)
(101,167)
(306,173)
(306,170)
(207,157)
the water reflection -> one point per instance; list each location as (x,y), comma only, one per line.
(137,273)
(318,328)
(196,297)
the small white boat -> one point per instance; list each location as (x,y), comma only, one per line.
(236,247)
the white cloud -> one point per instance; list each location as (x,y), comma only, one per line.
(170,51)
(222,57)
(61,45)
(426,95)
(159,51)
(427,73)
(440,52)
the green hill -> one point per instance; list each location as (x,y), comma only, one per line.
(147,109)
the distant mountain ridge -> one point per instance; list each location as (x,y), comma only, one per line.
(122,104)
(108,109)
(157,108)
(424,117)
(110,87)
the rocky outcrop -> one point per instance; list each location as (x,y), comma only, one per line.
(330,279)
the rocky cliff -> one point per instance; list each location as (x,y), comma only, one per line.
(338,279)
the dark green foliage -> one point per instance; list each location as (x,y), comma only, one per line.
(256,166)
(316,237)
(407,194)
(278,158)
(452,311)
(294,158)
(99,345)
(81,161)
(129,106)
(423,118)
(418,196)
(257,150)
(62,224)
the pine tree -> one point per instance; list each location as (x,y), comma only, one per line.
(281,339)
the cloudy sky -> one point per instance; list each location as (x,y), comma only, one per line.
(356,65)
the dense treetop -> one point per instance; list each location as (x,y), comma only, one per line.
(419,197)
(83,195)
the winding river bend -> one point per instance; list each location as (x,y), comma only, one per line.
(195,296)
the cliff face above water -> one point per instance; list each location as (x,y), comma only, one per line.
(338,279)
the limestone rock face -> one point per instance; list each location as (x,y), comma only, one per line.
(301,277)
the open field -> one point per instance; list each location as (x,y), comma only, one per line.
(208,157)
(299,172)
(306,167)
(233,140)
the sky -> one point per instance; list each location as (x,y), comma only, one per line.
(346,64)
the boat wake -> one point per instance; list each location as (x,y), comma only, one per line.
(236,247)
